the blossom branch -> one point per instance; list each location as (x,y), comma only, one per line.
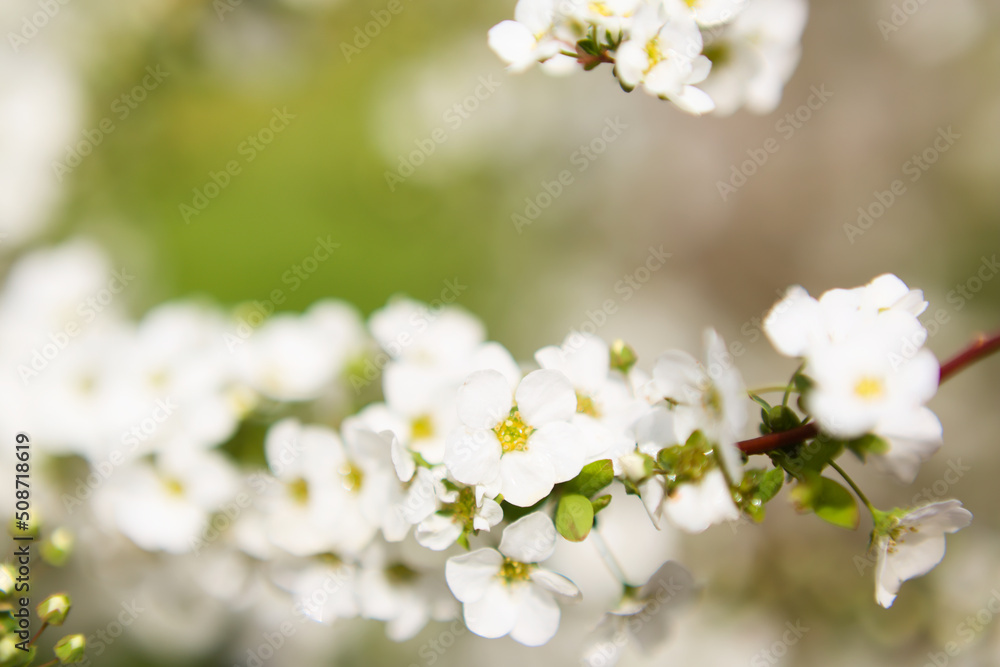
(982,347)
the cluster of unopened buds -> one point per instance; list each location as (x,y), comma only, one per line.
(480,464)
(702,55)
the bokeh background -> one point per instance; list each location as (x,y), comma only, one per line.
(354,115)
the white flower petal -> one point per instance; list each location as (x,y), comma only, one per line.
(484,399)
(538,618)
(562,444)
(526,477)
(545,396)
(469,575)
(495,614)
(472,456)
(555,583)
(530,539)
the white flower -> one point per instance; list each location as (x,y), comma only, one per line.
(913,544)
(506,592)
(605,404)
(524,41)
(663,54)
(641,616)
(754,56)
(709,397)
(392,591)
(297,357)
(863,351)
(167,505)
(334,495)
(692,506)
(799,324)
(864,380)
(518,449)
(461,513)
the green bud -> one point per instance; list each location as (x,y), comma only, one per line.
(623,357)
(70,649)
(57,548)
(54,608)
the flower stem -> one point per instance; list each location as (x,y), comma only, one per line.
(608,557)
(37,634)
(981,348)
(791,383)
(858,491)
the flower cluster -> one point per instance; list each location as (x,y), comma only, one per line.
(702,55)
(215,435)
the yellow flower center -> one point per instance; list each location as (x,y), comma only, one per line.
(298,489)
(869,388)
(585,406)
(513,433)
(422,427)
(173,486)
(351,477)
(512,570)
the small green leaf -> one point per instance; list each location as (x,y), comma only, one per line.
(770,484)
(802,383)
(594,477)
(782,418)
(809,457)
(463,540)
(600,503)
(762,403)
(828,499)
(574,517)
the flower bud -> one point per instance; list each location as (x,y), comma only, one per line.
(57,548)
(70,649)
(623,357)
(54,608)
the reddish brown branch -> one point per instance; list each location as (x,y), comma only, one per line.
(982,347)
